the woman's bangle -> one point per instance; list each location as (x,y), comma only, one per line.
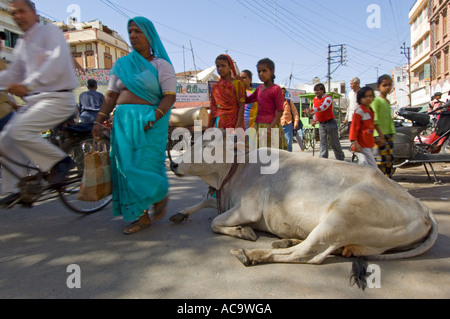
(163,114)
(103,114)
(98,123)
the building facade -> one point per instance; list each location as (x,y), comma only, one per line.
(400,94)
(440,44)
(11,30)
(419,17)
(93,45)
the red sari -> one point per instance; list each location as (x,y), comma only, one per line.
(225,99)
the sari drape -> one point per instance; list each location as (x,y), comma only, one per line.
(138,157)
(251,111)
(225,99)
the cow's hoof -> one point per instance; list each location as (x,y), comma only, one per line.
(248,234)
(285,243)
(239,253)
(178,218)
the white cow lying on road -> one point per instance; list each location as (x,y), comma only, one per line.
(320,207)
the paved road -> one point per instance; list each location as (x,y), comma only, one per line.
(188,261)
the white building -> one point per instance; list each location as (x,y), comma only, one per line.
(419,17)
(93,45)
(11,30)
(336,86)
(400,95)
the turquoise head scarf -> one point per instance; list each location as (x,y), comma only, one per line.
(139,75)
(149,30)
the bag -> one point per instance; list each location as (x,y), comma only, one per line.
(96,183)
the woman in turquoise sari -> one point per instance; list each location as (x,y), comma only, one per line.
(142,91)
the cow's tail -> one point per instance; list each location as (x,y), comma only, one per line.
(359,273)
(420,249)
(359,268)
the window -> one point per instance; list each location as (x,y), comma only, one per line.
(422,76)
(78,60)
(89,47)
(444,23)
(446,60)
(436,30)
(438,65)
(90,60)
(11,39)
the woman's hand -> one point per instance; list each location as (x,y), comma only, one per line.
(97,131)
(149,126)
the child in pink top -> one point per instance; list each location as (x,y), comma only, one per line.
(270,105)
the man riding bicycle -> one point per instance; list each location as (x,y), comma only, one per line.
(43,74)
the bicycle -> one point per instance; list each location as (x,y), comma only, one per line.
(35,188)
(307,138)
(315,138)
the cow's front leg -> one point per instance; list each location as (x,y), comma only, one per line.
(188,212)
(286,243)
(235,223)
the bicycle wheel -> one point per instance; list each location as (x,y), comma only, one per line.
(69,192)
(307,138)
(313,141)
(446,147)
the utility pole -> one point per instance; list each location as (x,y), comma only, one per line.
(337,54)
(378,69)
(193,58)
(407,52)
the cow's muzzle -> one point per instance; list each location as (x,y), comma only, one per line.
(174,168)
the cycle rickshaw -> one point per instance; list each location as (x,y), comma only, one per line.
(311,133)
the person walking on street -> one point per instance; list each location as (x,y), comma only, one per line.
(43,74)
(290,120)
(90,103)
(328,128)
(142,92)
(352,100)
(383,118)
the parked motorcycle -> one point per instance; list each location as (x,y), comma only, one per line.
(412,149)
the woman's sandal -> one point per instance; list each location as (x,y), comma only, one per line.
(159,213)
(135,227)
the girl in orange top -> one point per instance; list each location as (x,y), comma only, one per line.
(227,96)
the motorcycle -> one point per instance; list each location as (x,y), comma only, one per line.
(412,149)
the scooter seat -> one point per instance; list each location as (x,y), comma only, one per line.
(413,109)
(422,119)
